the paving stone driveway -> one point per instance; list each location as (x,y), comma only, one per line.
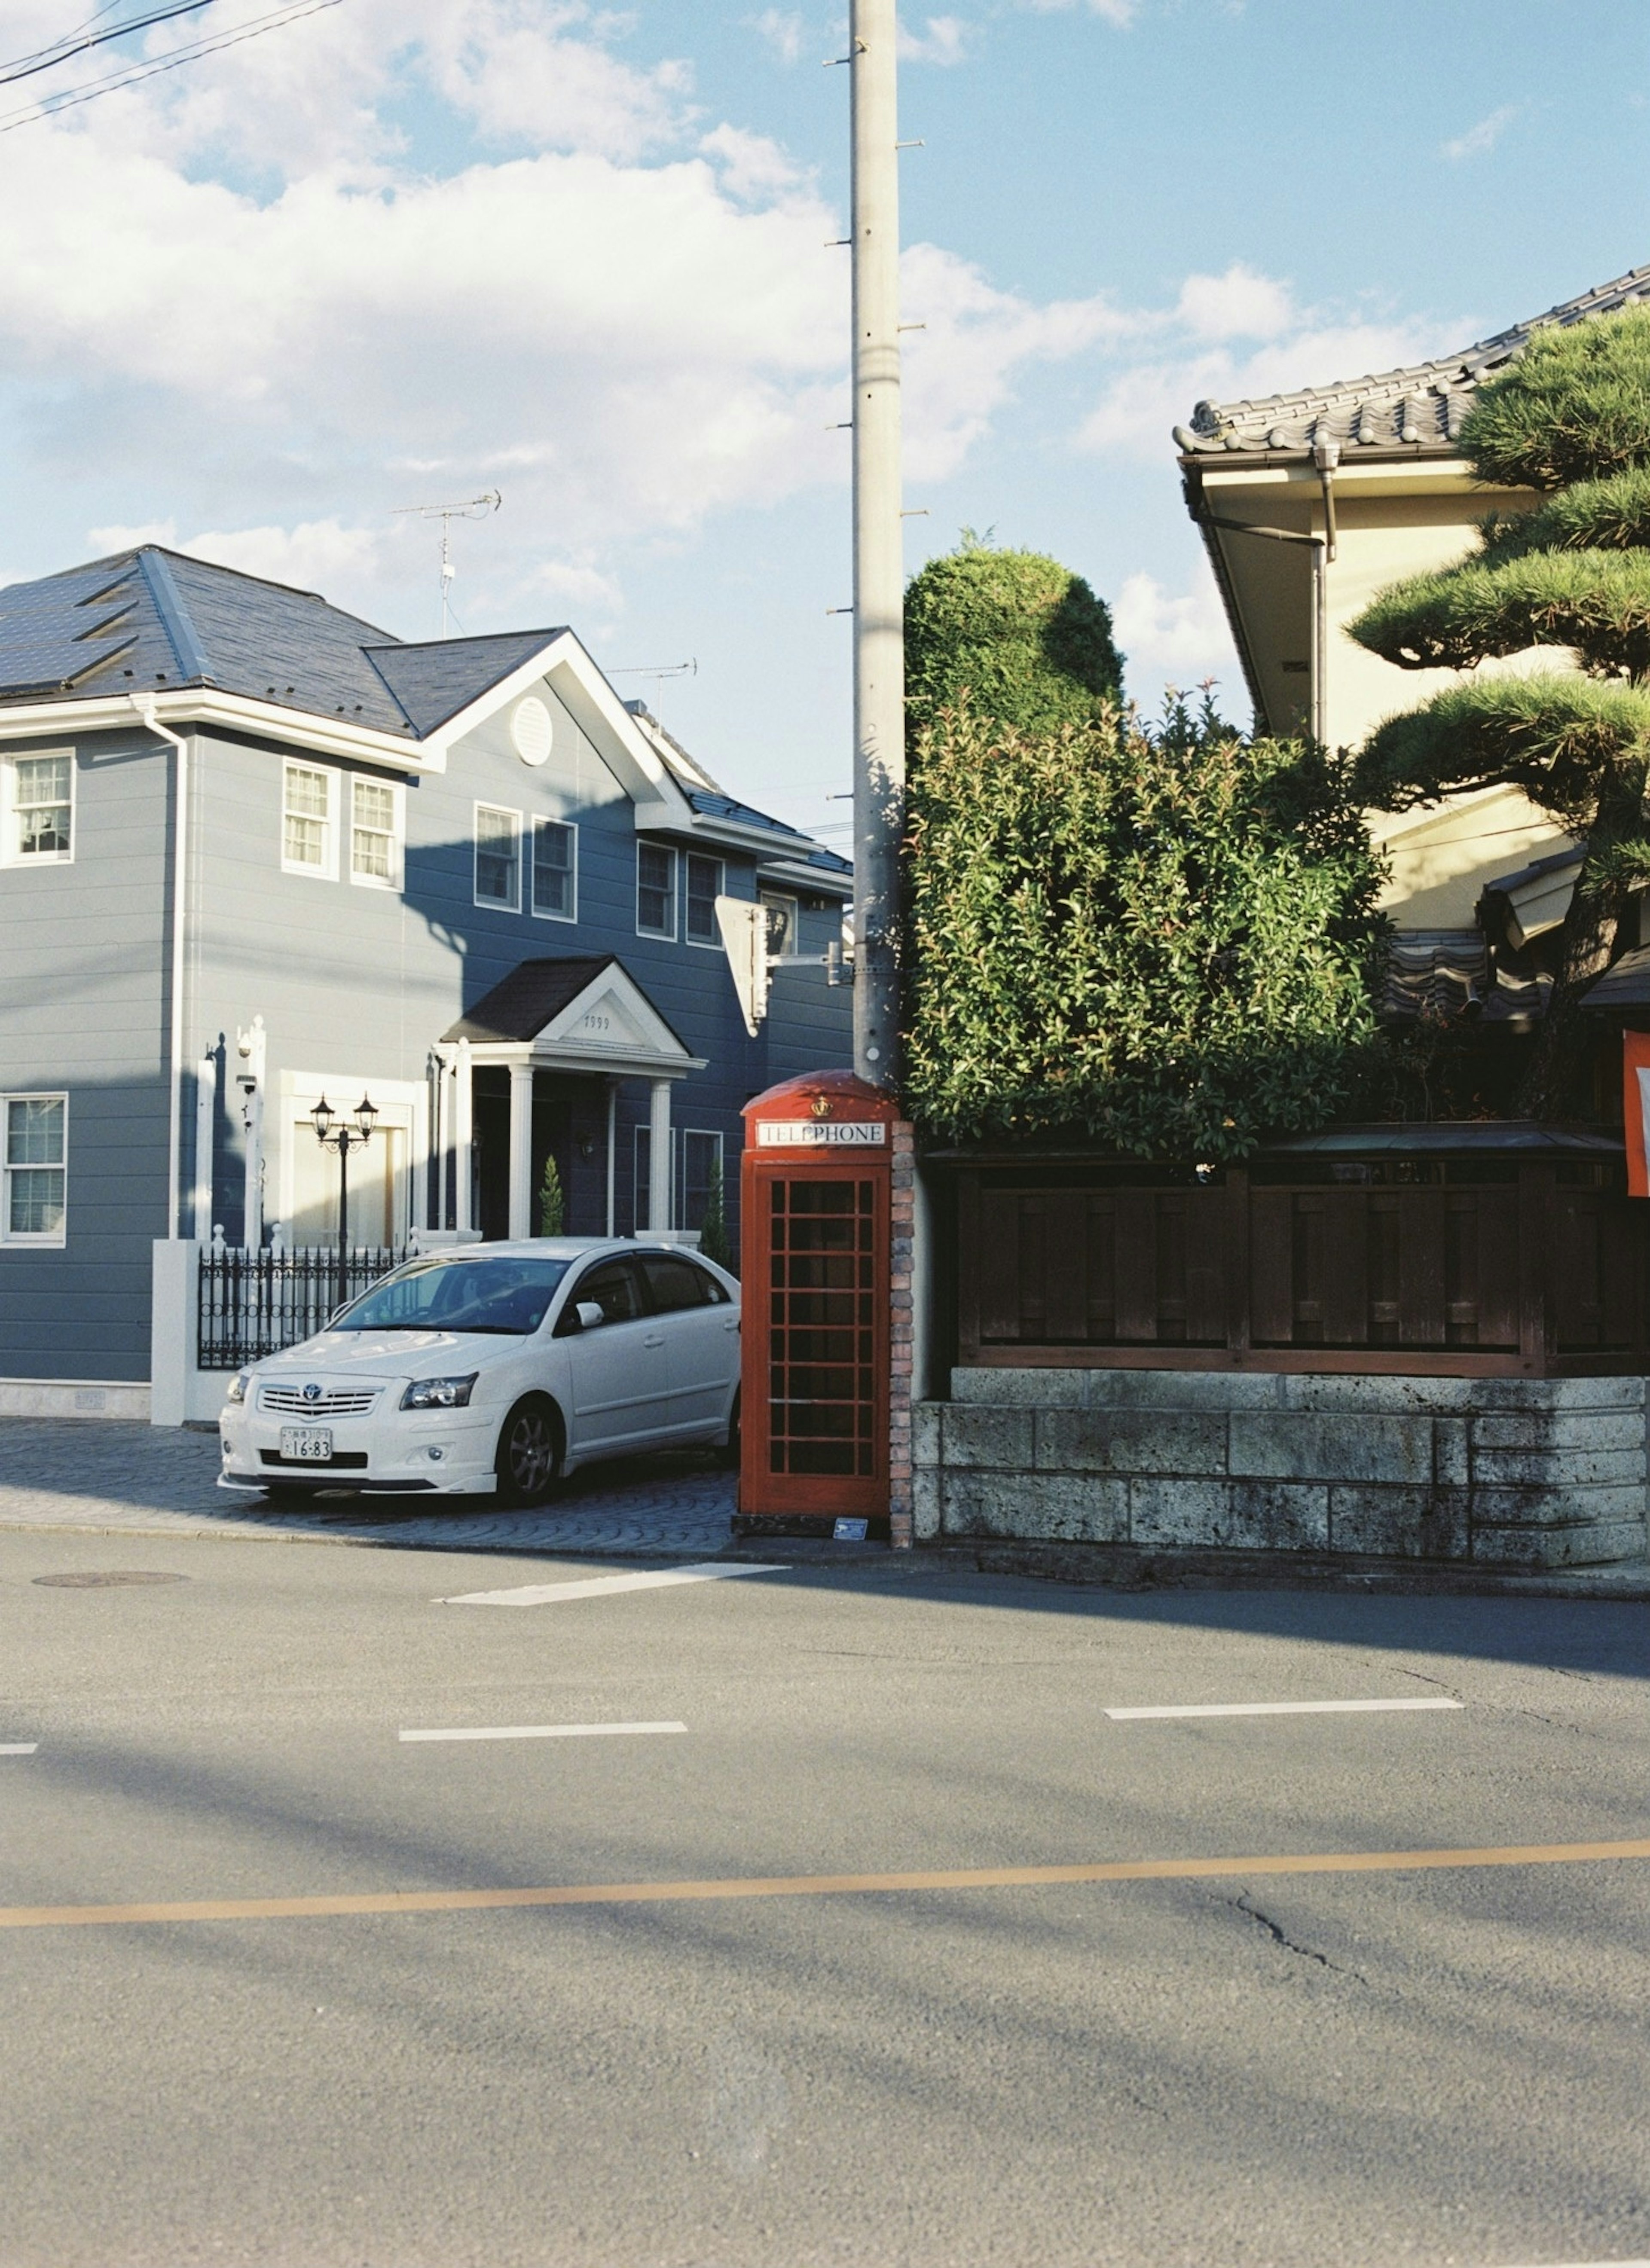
(143,1480)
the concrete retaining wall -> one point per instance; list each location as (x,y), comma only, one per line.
(1503,1472)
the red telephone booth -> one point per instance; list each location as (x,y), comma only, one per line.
(815,1187)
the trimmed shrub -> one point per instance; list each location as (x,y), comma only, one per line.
(1012,633)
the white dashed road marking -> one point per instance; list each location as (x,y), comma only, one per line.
(590,1586)
(1287,1709)
(538,1732)
(17,1748)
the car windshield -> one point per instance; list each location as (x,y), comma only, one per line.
(505,1296)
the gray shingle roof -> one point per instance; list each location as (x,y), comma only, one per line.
(1413,412)
(151,618)
(535,993)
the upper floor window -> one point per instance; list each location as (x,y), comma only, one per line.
(655,890)
(375,833)
(555,870)
(497,858)
(40,807)
(34,1135)
(308,832)
(781,923)
(704,888)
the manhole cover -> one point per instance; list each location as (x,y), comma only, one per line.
(112,1579)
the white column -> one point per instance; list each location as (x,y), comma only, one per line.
(205,1129)
(658,1173)
(521,1149)
(464,1136)
(612,1146)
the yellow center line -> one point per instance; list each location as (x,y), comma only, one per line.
(813,1886)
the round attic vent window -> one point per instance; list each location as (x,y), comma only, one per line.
(530,730)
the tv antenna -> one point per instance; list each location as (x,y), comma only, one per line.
(658,671)
(472,508)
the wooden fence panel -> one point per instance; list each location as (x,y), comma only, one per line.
(1271,1267)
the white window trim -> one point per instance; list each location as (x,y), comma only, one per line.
(664,936)
(30,1241)
(494,905)
(327,869)
(713,943)
(545,913)
(777,898)
(11,855)
(398,833)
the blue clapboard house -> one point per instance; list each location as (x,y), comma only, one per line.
(254,852)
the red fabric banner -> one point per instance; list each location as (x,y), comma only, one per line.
(1635,1073)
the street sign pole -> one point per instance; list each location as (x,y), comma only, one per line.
(878,566)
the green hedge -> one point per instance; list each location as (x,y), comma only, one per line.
(1164,940)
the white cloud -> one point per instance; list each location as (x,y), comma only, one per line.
(1169,640)
(1241,303)
(1120,13)
(960,368)
(783,32)
(942,40)
(1483,137)
(753,167)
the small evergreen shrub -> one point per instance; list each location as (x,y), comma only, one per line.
(552,1202)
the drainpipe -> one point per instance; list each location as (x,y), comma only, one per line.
(1326,454)
(144,704)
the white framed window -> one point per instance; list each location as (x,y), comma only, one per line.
(555,870)
(701,1173)
(40,809)
(782,920)
(309,821)
(375,833)
(704,888)
(34,1148)
(655,890)
(497,858)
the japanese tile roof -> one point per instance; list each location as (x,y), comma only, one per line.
(151,618)
(1417,411)
(1626,985)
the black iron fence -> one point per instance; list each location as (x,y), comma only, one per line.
(252,1304)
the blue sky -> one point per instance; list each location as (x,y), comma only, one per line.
(401,251)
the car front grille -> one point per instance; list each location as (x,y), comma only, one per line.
(339,1402)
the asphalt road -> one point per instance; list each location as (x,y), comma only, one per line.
(1427,2066)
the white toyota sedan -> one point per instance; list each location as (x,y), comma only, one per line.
(493,1370)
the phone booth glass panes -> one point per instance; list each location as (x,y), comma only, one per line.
(823,1267)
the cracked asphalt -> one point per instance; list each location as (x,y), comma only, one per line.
(1441,2067)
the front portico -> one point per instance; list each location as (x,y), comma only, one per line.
(585,1020)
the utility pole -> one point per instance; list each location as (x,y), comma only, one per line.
(879,563)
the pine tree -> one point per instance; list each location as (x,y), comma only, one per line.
(1570,420)
(552,1202)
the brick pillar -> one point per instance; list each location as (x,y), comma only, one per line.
(900,1336)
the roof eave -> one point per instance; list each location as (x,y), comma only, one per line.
(204,707)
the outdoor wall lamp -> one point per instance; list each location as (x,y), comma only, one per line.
(343,1138)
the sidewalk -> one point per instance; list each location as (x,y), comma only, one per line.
(107,1479)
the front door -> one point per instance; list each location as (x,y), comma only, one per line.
(621,1379)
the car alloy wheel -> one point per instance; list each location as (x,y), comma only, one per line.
(529,1454)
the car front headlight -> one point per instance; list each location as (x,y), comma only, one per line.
(238,1386)
(438,1393)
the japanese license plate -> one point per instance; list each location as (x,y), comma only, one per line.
(306,1445)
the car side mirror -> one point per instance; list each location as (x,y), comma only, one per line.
(589,1314)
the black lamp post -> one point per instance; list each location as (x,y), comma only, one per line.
(343,1138)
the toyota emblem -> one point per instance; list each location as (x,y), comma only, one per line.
(312,1393)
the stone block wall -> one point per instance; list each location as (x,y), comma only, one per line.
(1505,1472)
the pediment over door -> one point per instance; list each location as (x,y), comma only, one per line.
(574,1015)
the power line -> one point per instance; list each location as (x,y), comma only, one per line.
(47,58)
(49,105)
